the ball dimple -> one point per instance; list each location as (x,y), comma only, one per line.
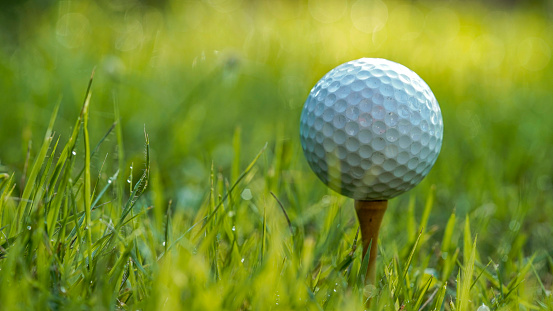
(328,115)
(389,165)
(334,86)
(363,74)
(344,166)
(339,121)
(391,119)
(329,145)
(352,99)
(310,133)
(409,89)
(420,167)
(378,72)
(403,157)
(342,153)
(386,177)
(403,112)
(352,144)
(413,163)
(394,183)
(378,158)
(397,84)
(425,152)
(390,103)
(365,136)
(410,175)
(413,103)
(373,82)
(328,129)
(365,120)
(380,187)
(330,100)
(391,73)
(416,148)
(425,138)
(340,137)
(379,127)
(404,126)
(391,151)
(367,93)
(352,128)
(416,133)
(415,118)
(392,135)
(365,151)
(404,78)
(378,112)
(310,120)
(378,144)
(348,79)
(400,96)
(377,99)
(318,124)
(319,137)
(323,166)
(354,161)
(321,95)
(432,142)
(385,80)
(386,90)
(371,129)
(352,112)
(365,105)
(319,151)
(310,146)
(340,106)
(343,92)
(400,170)
(424,126)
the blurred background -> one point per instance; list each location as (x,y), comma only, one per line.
(198,74)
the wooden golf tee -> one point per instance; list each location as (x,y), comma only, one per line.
(370,214)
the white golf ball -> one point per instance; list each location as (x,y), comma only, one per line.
(371,129)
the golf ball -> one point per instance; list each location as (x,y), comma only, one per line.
(371,129)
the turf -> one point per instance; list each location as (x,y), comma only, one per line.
(176,179)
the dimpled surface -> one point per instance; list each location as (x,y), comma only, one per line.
(371,129)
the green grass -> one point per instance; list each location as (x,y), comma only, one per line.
(178,181)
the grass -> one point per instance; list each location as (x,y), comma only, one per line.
(181,184)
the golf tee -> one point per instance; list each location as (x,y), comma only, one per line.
(370,214)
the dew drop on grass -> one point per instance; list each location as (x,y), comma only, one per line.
(129,181)
(246,194)
(28,227)
(74,152)
(109,181)
(483,307)
(163,243)
(242,260)
(233,228)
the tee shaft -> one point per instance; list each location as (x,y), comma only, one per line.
(370,214)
